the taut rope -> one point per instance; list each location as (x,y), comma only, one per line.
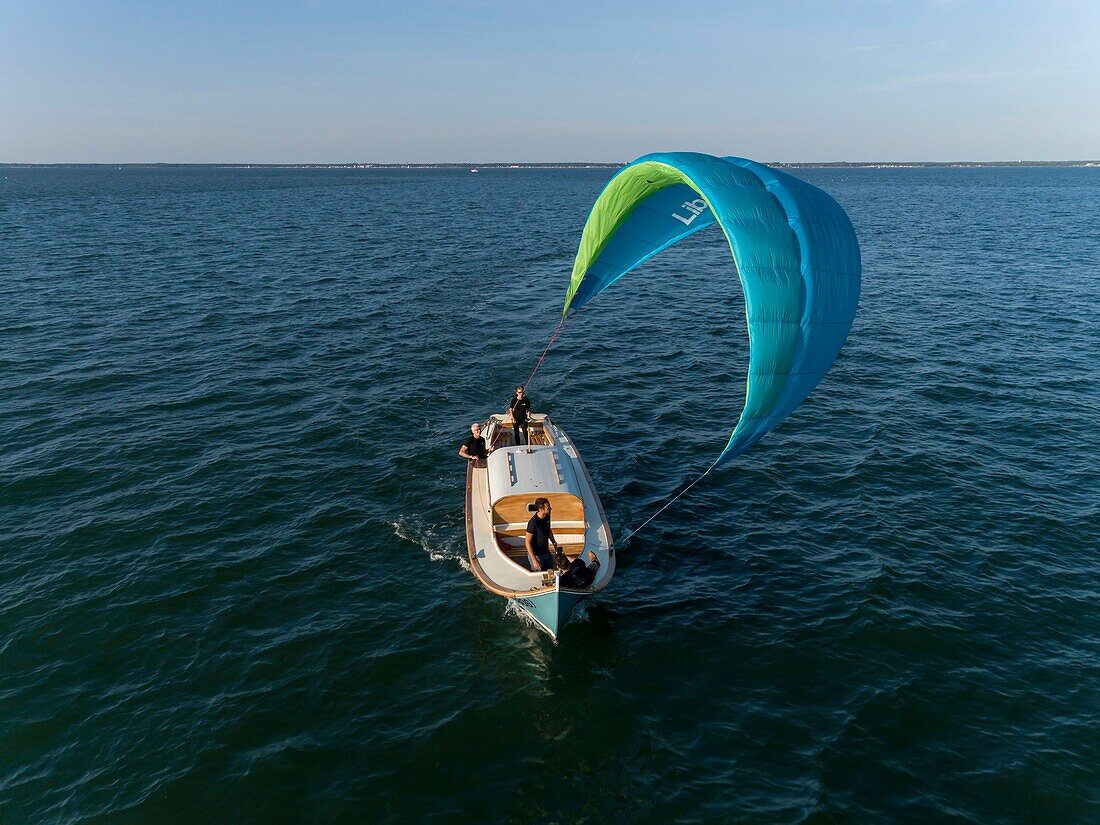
(671,501)
(550,343)
(553,337)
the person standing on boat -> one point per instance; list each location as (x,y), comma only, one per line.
(519,410)
(539,535)
(474,449)
(576,574)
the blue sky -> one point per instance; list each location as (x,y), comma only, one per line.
(421,81)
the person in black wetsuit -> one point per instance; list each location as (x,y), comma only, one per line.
(519,410)
(474,448)
(539,535)
(576,574)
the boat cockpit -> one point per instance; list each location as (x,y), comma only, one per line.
(511,514)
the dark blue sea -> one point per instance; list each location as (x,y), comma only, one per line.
(232,585)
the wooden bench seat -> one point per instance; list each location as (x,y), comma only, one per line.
(513,528)
(515,548)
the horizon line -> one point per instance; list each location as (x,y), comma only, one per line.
(532,164)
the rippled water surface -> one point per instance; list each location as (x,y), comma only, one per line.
(231,513)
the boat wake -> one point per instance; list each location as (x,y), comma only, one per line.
(514,611)
(438,547)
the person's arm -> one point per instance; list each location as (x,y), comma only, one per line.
(462,451)
(528,539)
(550,535)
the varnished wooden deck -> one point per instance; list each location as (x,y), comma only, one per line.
(506,436)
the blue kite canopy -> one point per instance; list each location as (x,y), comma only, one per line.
(795,251)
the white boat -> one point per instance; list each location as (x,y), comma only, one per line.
(500,495)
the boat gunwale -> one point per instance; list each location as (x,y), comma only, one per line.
(471,550)
(599,507)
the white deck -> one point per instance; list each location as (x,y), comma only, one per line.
(535,471)
(532,470)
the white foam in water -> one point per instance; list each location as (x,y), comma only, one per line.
(415,530)
(513,610)
(580,612)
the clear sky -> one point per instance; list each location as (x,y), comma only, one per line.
(423,81)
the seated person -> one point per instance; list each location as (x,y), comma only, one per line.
(474,448)
(538,537)
(576,574)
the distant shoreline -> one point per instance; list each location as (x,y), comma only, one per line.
(916,164)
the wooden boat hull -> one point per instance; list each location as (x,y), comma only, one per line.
(499,494)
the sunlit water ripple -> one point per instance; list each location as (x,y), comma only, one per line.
(231,510)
